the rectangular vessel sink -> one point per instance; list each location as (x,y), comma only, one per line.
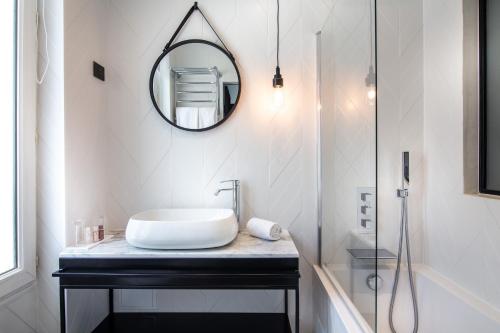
(182,228)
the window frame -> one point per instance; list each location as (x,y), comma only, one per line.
(25,272)
(483,137)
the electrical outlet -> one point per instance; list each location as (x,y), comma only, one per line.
(99,71)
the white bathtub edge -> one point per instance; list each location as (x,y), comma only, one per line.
(352,320)
(459,292)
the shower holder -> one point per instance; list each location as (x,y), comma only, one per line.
(371,254)
(402,193)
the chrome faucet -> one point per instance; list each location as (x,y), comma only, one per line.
(235,187)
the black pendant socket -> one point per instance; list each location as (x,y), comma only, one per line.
(278,79)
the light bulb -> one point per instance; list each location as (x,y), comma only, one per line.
(371,84)
(278,97)
(372,93)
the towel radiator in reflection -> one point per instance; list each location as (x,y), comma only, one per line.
(197,87)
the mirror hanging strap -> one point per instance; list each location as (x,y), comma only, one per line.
(184,20)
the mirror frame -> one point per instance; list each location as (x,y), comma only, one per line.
(174,46)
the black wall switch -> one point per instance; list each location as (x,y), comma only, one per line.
(99,71)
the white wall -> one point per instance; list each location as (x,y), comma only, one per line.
(348,142)
(85,134)
(151,164)
(400,118)
(148,163)
(461,232)
(51,208)
(84,111)
(19,312)
(70,103)
(271,151)
(400,121)
(348,137)
(347,125)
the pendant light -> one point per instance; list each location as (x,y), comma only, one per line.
(278,98)
(371,78)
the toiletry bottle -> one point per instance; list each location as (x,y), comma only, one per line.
(88,235)
(78,232)
(101,232)
(95,234)
(100,225)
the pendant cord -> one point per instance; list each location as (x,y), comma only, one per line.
(371,34)
(278,34)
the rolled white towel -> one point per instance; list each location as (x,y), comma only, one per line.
(264,229)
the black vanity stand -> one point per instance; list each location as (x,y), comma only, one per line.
(281,273)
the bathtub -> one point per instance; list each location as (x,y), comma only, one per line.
(443,305)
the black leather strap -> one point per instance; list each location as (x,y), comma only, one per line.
(184,20)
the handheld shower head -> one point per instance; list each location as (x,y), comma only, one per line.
(404,233)
(406,167)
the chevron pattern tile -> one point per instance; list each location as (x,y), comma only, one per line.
(461,232)
(120,157)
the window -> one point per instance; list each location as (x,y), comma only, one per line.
(489,98)
(17,144)
(8,150)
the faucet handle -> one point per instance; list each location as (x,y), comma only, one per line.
(234,181)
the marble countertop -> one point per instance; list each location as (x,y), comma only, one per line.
(244,246)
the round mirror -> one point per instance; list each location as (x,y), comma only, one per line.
(195,85)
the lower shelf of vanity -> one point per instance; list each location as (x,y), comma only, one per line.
(195,322)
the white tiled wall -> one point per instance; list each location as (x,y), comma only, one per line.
(271,151)
(461,232)
(18,314)
(400,124)
(123,158)
(68,157)
(349,141)
(347,124)
(84,111)
(51,208)
(457,235)
(151,164)
(399,118)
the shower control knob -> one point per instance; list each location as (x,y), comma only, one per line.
(367,210)
(367,224)
(374,282)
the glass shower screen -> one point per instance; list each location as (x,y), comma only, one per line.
(347,94)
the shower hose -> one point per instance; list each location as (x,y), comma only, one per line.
(403,232)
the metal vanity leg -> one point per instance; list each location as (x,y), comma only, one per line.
(62,308)
(111,301)
(297,312)
(286,301)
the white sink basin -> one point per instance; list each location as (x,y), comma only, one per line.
(182,228)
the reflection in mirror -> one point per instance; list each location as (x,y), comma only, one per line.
(195,85)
